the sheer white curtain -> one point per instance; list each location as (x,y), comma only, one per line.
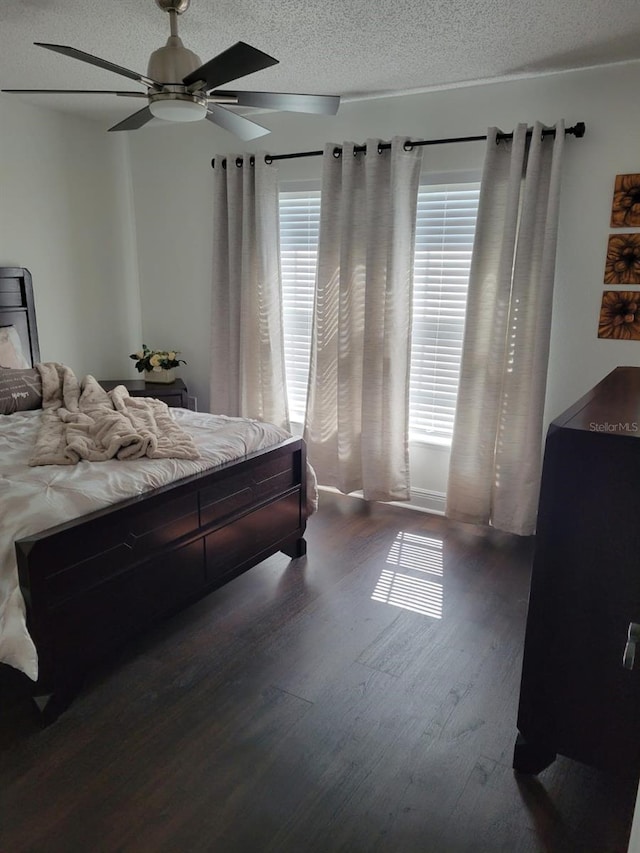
(247,375)
(357,412)
(495,468)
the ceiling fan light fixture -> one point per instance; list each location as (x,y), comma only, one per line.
(175,107)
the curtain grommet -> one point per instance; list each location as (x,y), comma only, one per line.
(337,152)
(407,146)
(268,159)
(239,162)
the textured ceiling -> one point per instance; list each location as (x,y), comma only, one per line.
(354,49)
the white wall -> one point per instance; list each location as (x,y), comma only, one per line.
(173,213)
(66,215)
(173,209)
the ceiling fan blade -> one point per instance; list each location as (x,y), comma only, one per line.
(322,104)
(237,61)
(134,121)
(77,92)
(238,125)
(101,63)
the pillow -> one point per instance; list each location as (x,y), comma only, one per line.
(11,354)
(20,390)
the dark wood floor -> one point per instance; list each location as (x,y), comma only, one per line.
(361,699)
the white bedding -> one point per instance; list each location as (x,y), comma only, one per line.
(33,499)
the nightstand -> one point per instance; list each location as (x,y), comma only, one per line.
(173,393)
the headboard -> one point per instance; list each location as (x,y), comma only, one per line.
(17,308)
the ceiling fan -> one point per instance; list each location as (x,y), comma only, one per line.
(181,88)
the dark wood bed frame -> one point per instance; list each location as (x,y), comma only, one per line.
(93,583)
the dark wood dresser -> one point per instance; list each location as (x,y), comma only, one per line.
(576,696)
(171,393)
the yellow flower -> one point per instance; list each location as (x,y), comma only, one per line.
(154,361)
(171,355)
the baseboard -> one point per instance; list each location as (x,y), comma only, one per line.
(422,500)
(427,501)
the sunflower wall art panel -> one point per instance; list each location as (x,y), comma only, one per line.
(620,309)
(620,315)
(622,265)
(625,210)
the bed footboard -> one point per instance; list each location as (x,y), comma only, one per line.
(91,584)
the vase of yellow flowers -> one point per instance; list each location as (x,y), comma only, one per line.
(157,365)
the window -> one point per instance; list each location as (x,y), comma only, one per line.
(299,230)
(445,229)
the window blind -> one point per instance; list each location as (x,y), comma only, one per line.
(445,230)
(446,217)
(299,230)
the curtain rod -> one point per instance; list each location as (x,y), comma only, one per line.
(578,130)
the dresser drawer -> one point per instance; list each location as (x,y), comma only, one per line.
(228,547)
(90,560)
(273,477)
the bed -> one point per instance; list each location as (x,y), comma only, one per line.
(91,583)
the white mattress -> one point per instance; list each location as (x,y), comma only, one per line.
(33,499)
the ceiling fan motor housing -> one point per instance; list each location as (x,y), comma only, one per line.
(172,63)
(169,65)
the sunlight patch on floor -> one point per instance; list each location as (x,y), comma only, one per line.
(416,555)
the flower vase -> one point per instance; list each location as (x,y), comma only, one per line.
(164,375)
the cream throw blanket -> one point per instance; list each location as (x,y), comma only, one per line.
(82,421)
